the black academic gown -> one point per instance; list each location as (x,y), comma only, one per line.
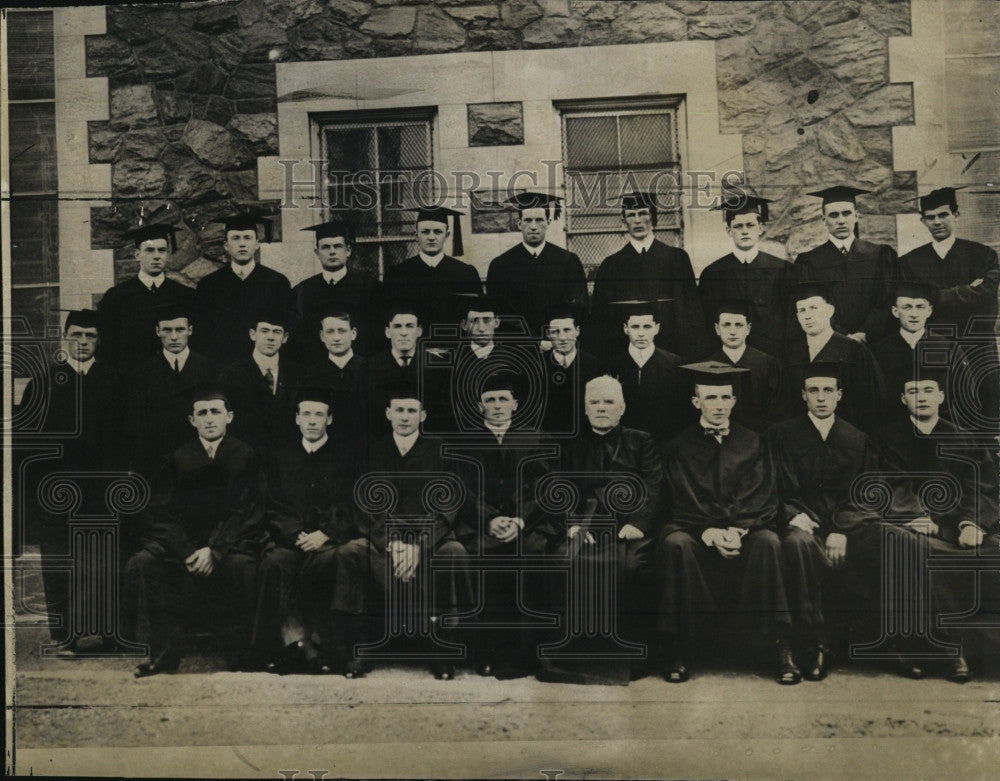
(358,293)
(564,392)
(860,284)
(863,402)
(432,289)
(228,305)
(761,395)
(764,283)
(262,418)
(161,405)
(529,287)
(128,318)
(655,394)
(664,272)
(348,387)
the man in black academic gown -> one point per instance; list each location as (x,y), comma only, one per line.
(647,269)
(396,365)
(502,518)
(160,389)
(864,388)
(912,452)
(831,547)
(650,377)
(309,515)
(346,376)
(965,275)
(858,273)
(762,391)
(261,386)
(81,416)
(897,353)
(721,553)
(432,277)
(127,310)
(749,274)
(229,297)
(567,371)
(203,532)
(395,549)
(535,274)
(337,286)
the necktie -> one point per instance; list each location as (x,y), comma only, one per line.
(210,452)
(177,366)
(843,250)
(269,379)
(404,361)
(716,432)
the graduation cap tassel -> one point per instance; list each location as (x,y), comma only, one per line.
(457,248)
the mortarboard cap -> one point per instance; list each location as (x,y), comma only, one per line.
(441,214)
(921,372)
(249,222)
(81,318)
(172,311)
(333,229)
(207,391)
(736,203)
(402,390)
(943,196)
(732,306)
(500,381)
(713,373)
(639,307)
(274,316)
(839,194)
(533,200)
(318,393)
(821,369)
(158,230)
(915,289)
(396,306)
(803,290)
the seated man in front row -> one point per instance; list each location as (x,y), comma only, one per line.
(721,551)
(309,514)
(396,557)
(203,526)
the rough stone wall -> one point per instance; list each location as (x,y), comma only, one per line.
(192,91)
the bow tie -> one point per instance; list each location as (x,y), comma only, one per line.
(716,432)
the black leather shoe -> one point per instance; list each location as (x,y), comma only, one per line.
(910,668)
(819,663)
(788,673)
(355,668)
(162,664)
(443,671)
(958,671)
(677,672)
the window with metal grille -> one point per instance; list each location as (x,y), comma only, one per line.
(613,148)
(378,165)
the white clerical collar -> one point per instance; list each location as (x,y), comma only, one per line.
(334,276)
(925,426)
(564,359)
(912,338)
(265,362)
(641,356)
(843,244)
(746,256)
(482,351)
(498,431)
(823,425)
(340,361)
(243,271)
(735,355)
(639,246)
(942,248)
(535,251)
(818,342)
(430,260)
(150,281)
(179,358)
(405,444)
(312,447)
(78,367)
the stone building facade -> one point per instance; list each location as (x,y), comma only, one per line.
(183,111)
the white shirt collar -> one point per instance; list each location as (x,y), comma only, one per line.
(180,357)
(746,256)
(818,342)
(536,251)
(340,361)
(429,260)
(242,272)
(734,355)
(405,444)
(264,362)
(943,247)
(645,244)
(845,244)
(150,281)
(334,276)
(482,352)
(312,447)
(912,339)
(925,426)
(78,367)
(205,444)
(823,425)
(498,431)
(567,359)
(641,356)
(398,355)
